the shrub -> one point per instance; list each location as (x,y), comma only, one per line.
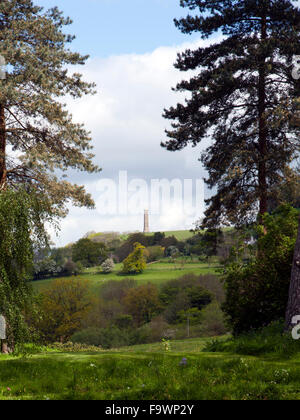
(108,266)
(107,338)
(124,322)
(257,292)
(213,321)
(268,340)
(155,253)
(89,336)
(71,268)
(172,251)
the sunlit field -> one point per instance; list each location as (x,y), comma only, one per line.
(157,273)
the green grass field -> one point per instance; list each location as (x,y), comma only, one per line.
(180,235)
(149,373)
(157,273)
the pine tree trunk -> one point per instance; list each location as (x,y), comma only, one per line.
(4,347)
(262,178)
(293,307)
(2,148)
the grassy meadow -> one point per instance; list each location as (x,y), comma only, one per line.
(180,235)
(149,373)
(156,273)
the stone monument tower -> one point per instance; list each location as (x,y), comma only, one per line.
(146,222)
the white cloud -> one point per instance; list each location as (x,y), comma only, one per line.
(125,118)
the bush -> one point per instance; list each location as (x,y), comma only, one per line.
(89,336)
(213,321)
(257,293)
(269,340)
(155,253)
(71,268)
(107,338)
(108,266)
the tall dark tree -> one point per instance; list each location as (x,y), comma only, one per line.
(38,139)
(242,97)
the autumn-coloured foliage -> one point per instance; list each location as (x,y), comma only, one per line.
(143,303)
(64,305)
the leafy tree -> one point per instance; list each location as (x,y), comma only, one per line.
(71,268)
(64,305)
(112,289)
(257,292)
(143,303)
(108,266)
(21,223)
(89,253)
(169,241)
(104,313)
(287,191)
(128,246)
(179,303)
(61,255)
(243,97)
(192,315)
(183,294)
(33,119)
(207,243)
(172,251)
(158,237)
(46,268)
(36,125)
(135,262)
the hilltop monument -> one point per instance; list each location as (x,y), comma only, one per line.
(146,221)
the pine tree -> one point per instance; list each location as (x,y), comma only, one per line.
(38,139)
(242,97)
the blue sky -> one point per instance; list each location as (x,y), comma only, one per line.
(109,27)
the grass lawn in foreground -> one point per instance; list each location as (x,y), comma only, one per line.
(149,375)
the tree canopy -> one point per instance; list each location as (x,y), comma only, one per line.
(38,139)
(242,96)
